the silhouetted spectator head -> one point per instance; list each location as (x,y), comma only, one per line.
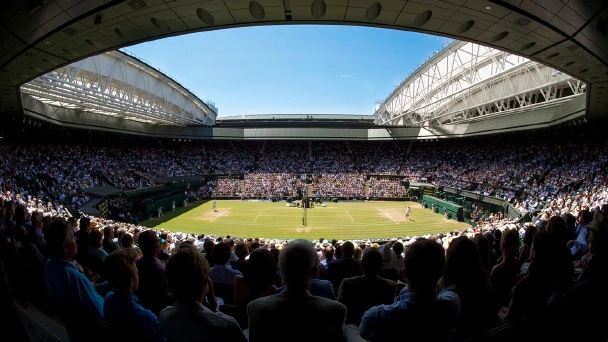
(329,252)
(509,242)
(149,243)
(462,262)
(108,233)
(121,270)
(423,265)
(241,250)
(221,253)
(371,262)
(187,275)
(398,248)
(556,227)
(95,239)
(127,241)
(260,271)
(347,250)
(298,264)
(60,240)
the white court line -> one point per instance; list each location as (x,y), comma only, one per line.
(220,214)
(256,218)
(385,214)
(351,218)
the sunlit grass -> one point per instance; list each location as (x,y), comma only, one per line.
(274,220)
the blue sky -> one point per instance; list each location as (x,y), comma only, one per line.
(291,69)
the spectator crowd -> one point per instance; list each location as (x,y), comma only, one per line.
(458,285)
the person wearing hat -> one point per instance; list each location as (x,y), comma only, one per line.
(388,269)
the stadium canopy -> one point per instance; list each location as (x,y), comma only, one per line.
(40,36)
(114,84)
(466,83)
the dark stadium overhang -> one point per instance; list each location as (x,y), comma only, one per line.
(103,191)
(37,36)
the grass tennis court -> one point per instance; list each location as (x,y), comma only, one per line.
(275,220)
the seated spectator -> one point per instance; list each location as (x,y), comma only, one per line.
(320,317)
(222,274)
(35,234)
(464,275)
(398,250)
(362,292)
(241,250)
(258,279)
(121,308)
(388,270)
(208,246)
(505,274)
(419,308)
(524,249)
(345,266)
(128,243)
(561,258)
(72,292)
(578,245)
(109,245)
(153,290)
(531,293)
(82,238)
(597,260)
(188,319)
(328,253)
(97,255)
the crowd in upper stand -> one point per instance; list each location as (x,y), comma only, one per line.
(176,286)
(526,171)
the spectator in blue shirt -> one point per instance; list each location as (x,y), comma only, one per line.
(578,247)
(74,294)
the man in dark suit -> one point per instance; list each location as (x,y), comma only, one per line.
(345,267)
(294,313)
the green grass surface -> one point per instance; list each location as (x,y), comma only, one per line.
(274,220)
